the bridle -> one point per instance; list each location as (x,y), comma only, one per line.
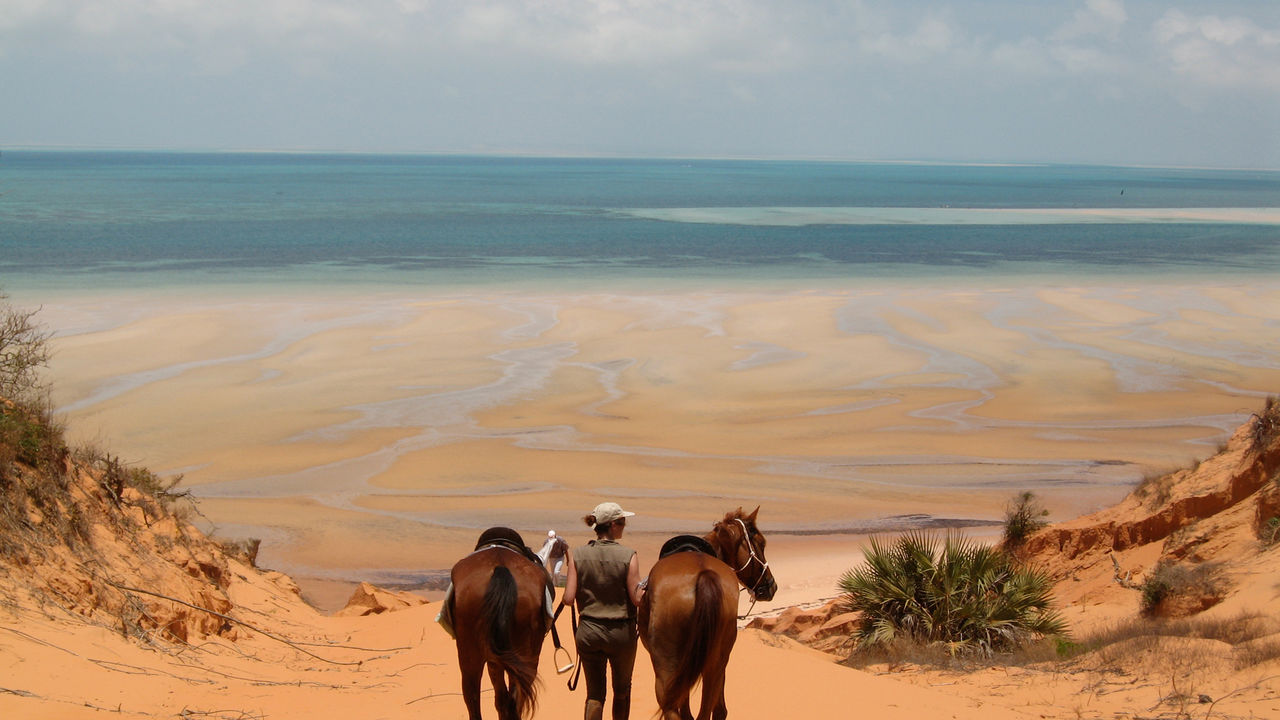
(751,556)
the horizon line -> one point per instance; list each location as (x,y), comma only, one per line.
(527,154)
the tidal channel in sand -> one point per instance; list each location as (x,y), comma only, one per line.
(372,435)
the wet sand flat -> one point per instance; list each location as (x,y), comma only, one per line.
(373,435)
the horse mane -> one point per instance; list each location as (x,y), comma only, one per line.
(739,514)
(722,550)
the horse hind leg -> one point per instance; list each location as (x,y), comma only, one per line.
(721,711)
(472,670)
(712,705)
(671,708)
(503,700)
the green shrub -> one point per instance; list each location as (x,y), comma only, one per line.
(1156,487)
(1272,531)
(968,597)
(1155,589)
(27,430)
(1023,516)
(245,549)
(29,434)
(1169,580)
(116,476)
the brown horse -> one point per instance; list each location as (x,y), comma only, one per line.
(499,621)
(688,617)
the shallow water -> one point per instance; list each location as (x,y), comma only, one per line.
(131,220)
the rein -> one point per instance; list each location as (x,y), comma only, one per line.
(764,567)
(555,640)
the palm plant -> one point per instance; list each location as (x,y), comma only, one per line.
(966,596)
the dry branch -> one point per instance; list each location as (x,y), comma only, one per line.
(1121,577)
(228,618)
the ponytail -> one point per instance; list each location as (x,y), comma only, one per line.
(600,529)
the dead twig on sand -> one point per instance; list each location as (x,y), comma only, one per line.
(38,641)
(410,667)
(19,693)
(137,670)
(221,714)
(353,647)
(273,683)
(242,623)
(1250,686)
(77,703)
(428,696)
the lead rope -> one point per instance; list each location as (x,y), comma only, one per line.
(577,669)
(555,639)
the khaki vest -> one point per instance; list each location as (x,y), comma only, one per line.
(602,580)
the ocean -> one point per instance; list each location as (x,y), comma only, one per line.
(96,220)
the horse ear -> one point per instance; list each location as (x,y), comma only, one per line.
(752,516)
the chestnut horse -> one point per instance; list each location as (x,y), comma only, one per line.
(500,620)
(688,616)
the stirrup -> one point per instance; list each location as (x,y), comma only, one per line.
(562,669)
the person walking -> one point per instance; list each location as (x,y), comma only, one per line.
(604,582)
(553,554)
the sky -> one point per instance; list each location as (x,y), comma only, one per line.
(1122,82)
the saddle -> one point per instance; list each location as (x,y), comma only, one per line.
(686,543)
(507,538)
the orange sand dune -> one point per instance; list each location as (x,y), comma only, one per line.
(61,668)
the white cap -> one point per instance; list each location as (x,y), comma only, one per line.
(607,512)
(551,533)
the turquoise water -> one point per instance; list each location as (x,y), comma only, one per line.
(74,219)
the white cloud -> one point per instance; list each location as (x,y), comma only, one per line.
(932,37)
(1026,57)
(99,18)
(1214,51)
(466,73)
(14,13)
(1080,60)
(624,32)
(1088,43)
(1103,18)
(143,26)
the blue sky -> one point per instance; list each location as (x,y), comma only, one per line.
(1094,81)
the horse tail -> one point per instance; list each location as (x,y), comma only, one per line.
(704,623)
(498,612)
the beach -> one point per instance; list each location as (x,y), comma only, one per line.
(299,300)
(371,435)
(365,361)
